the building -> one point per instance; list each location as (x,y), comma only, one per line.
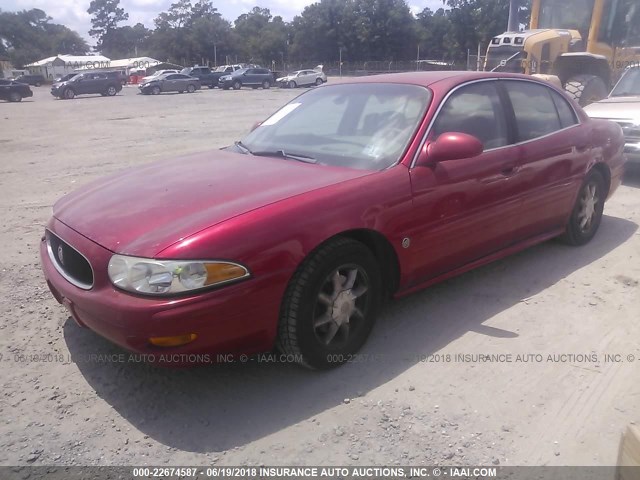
(60,65)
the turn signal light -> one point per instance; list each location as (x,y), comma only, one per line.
(176,341)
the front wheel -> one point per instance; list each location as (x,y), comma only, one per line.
(319,82)
(330,305)
(69,94)
(292,84)
(586,89)
(587,211)
(191,88)
(155,91)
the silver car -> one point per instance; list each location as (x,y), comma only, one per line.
(170,82)
(302,78)
(623,107)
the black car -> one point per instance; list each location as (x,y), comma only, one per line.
(87,83)
(204,74)
(35,80)
(13,91)
(250,77)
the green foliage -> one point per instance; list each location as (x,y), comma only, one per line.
(106,17)
(188,33)
(28,35)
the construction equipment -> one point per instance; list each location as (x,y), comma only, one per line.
(584,45)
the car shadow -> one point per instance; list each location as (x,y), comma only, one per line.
(216,408)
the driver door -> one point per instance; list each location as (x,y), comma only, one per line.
(465,209)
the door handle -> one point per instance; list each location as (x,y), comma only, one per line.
(509,171)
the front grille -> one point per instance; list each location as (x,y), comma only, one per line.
(631,131)
(70,263)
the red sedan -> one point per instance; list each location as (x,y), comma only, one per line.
(349,194)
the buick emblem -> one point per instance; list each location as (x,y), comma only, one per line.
(60,255)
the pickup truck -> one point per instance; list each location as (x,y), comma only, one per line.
(207,76)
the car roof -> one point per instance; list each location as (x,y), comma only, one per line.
(430,78)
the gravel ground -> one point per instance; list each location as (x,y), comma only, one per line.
(553,312)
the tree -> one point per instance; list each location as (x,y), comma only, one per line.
(106,17)
(29,35)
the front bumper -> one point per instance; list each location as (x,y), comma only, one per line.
(235,319)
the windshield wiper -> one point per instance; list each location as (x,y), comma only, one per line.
(243,147)
(281,153)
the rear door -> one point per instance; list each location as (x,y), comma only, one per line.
(466,209)
(553,150)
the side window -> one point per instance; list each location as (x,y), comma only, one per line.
(475,110)
(565,112)
(173,77)
(535,111)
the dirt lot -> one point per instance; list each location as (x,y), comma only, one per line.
(552,312)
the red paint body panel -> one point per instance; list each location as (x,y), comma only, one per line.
(268,214)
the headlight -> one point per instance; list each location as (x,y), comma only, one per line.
(162,277)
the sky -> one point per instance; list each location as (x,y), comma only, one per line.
(73,13)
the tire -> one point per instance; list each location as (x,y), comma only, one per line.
(319,82)
(266,85)
(587,211)
(69,94)
(322,278)
(155,90)
(191,88)
(237,85)
(111,90)
(292,84)
(15,97)
(586,89)
(37,84)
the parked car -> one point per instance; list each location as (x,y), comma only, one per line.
(204,74)
(119,75)
(250,77)
(170,82)
(66,77)
(623,107)
(13,91)
(155,74)
(347,195)
(31,79)
(87,83)
(302,78)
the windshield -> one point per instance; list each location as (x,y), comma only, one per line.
(364,126)
(186,71)
(629,84)
(567,14)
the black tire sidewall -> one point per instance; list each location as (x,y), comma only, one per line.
(314,274)
(574,233)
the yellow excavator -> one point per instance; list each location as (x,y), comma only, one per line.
(583,45)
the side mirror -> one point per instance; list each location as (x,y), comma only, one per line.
(450,146)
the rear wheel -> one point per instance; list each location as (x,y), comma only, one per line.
(292,84)
(237,85)
(587,211)
(69,94)
(330,304)
(266,84)
(191,88)
(111,90)
(15,97)
(38,84)
(319,81)
(586,89)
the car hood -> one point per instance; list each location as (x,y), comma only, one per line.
(144,210)
(615,108)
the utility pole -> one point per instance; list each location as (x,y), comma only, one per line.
(514,22)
